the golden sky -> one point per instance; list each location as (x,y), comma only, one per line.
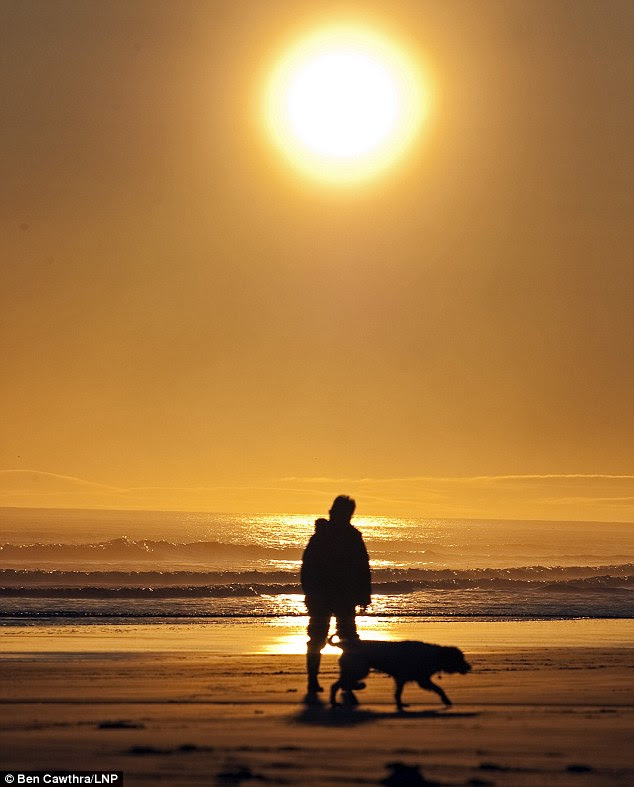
(189,323)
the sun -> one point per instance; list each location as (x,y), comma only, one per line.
(344,103)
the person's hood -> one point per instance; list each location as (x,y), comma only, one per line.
(322,525)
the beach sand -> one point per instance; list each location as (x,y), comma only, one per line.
(547,703)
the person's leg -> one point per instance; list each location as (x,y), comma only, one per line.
(347,629)
(346,623)
(318,625)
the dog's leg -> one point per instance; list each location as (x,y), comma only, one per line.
(429,685)
(350,698)
(352,670)
(333,692)
(398,692)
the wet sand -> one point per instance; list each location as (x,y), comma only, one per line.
(546,704)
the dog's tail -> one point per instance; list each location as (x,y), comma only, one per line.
(344,644)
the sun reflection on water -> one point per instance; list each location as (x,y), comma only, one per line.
(294,530)
(291,606)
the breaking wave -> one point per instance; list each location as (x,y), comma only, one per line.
(196,584)
(124,552)
(146,550)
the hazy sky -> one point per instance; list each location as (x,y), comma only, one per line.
(187,323)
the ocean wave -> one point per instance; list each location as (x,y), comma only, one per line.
(190,576)
(143,550)
(192,584)
(74,617)
(125,553)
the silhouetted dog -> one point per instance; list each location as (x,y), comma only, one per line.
(404,661)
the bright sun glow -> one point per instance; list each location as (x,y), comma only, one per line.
(344,103)
(292,633)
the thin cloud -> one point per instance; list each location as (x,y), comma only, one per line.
(458,479)
(589,499)
(36,476)
(583,496)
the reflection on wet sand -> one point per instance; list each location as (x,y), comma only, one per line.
(292,637)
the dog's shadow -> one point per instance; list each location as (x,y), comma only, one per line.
(320,714)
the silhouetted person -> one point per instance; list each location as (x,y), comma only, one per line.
(335,577)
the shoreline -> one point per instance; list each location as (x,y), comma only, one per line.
(287,635)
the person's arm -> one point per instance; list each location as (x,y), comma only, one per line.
(364,576)
(309,573)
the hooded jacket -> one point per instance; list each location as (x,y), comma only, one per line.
(335,565)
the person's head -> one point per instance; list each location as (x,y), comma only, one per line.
(342,509)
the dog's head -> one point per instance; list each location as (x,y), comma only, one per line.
(452,660)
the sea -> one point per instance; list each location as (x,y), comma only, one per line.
(89,566)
